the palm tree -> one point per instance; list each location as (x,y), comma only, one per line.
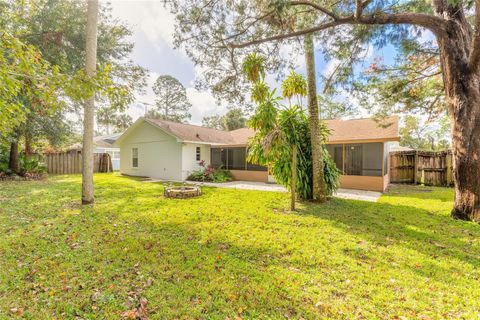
(294,86)
(319,189)
(89,109)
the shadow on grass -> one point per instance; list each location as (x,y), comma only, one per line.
(411,227)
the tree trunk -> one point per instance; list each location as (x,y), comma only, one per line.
(319,190)
(13,160)
(28,144)
(88,117)
(294,178)
(462,88)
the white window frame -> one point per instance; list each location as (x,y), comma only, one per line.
(198,153)
(134,150)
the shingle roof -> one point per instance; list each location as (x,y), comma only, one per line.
(363,129)
(193,133)
(341,131)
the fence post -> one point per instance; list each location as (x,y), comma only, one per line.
(415,167)
(449,169)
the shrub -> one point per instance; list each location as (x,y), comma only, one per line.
(30,165)
(210,174)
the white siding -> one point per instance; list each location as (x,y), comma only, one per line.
(189,162)
(159,154)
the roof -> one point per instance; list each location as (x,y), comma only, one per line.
(363,130)
(106,141)
(192,133)
(341,131)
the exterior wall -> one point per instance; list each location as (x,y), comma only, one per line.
(245,175)
(362,183)
(159,154)
(189,161)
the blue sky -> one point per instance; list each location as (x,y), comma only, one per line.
(152,27)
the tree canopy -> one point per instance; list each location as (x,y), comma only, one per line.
(171,101)
(54,31)
(349,35)
(232,120)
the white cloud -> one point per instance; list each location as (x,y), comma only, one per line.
(158,23)
(203,105)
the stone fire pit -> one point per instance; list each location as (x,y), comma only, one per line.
(182,192)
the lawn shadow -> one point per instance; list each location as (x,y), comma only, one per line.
(414,228)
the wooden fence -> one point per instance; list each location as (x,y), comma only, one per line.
(71,162)
(429,168)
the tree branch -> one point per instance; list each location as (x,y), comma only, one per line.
(435,24)
(295,33)
(316,7)
(358,8)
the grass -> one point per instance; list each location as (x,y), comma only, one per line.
(231,254)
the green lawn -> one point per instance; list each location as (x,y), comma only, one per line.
(231,254)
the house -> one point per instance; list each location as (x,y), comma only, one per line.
(104,144)
(171,151)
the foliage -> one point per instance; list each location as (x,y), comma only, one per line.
(54,33)
(211,174)
(329,108)
(331,174)
(294,85)
(253,67)
(412,82)
(24,75)
(232,120)
(171,100)
(394,258)
(430,137)
(214,122)
(31,165)
(280,130)
(112,121)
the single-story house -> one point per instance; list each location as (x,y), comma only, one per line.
(104,144)
(171,151)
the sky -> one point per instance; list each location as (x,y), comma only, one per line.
(153,26)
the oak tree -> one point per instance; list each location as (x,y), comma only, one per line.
(455,26)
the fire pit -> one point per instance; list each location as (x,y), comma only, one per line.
(181,192)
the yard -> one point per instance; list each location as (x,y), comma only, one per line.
(231,254)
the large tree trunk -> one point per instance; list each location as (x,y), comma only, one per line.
(88,118)
(462,88)
(319,190)
(13,160)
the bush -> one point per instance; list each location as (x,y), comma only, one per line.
(30,165)
(210,174)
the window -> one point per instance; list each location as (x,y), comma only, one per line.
(236,159)
(358,159)
(233,159)
(198,154)
(134,157)
(353,159)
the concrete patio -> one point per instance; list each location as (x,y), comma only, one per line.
(352,194)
